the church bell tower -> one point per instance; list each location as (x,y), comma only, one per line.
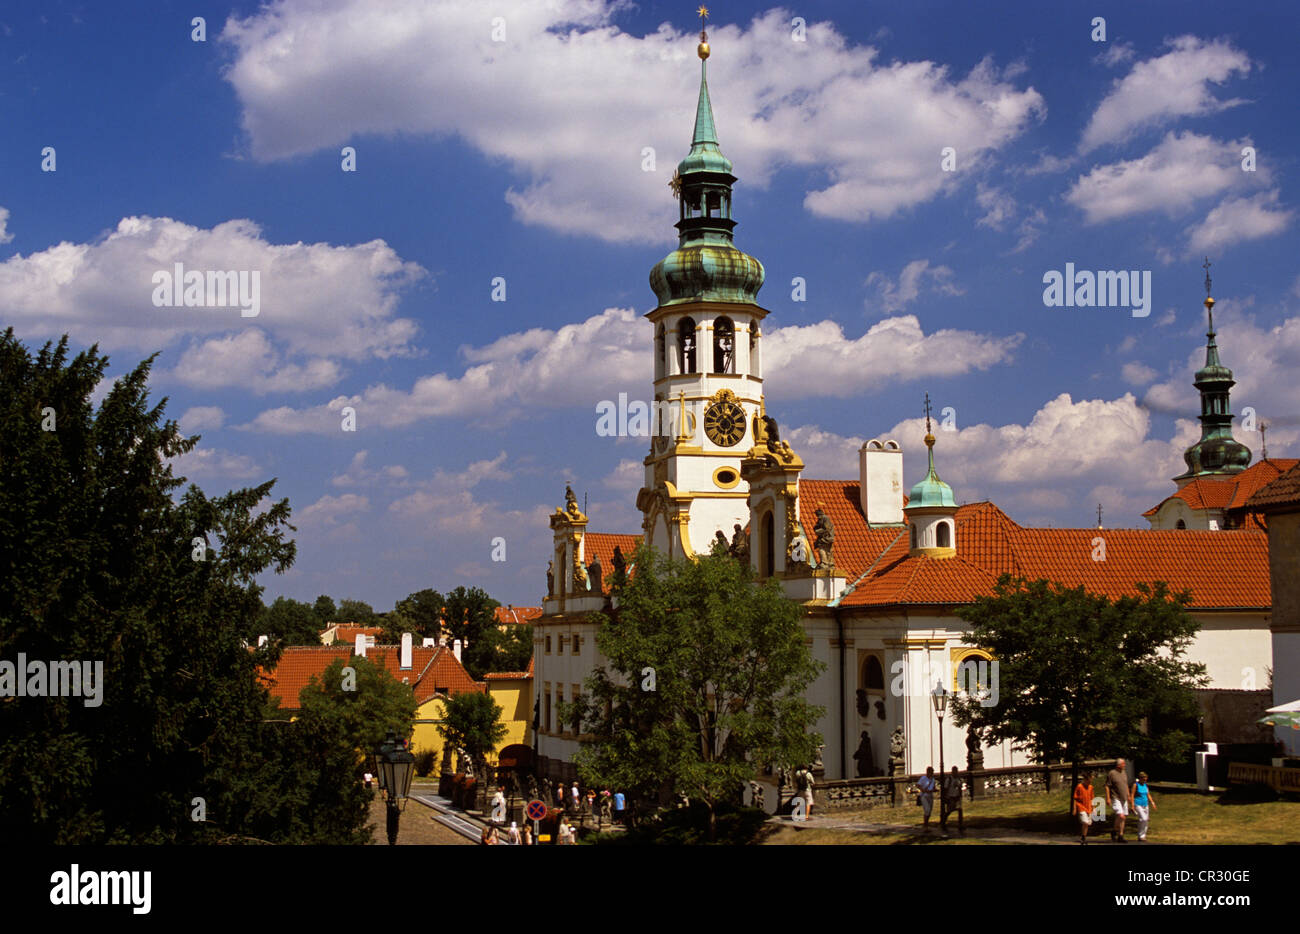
(708,379)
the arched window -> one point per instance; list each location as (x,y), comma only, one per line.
(943,535)
(768,539)
(873,676)
(1180,524)
(713,204)
(661,354)
(686,345)
(724,346)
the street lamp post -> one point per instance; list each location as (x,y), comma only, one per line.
(395,766)
(940,697)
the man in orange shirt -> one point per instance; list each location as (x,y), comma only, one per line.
(1083,805)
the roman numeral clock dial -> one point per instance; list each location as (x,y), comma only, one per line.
(724,423)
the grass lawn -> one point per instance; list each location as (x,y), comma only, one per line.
(1036,818)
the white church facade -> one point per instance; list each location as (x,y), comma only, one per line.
(881,567)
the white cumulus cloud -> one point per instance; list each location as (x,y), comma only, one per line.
(570,102)
(1160,89)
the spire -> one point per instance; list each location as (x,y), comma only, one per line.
(706,266)
(931,491)
(1217,453)
(705,132)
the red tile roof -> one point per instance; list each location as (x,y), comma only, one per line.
(601,545)
(433,669)
(517,614)
(1221,568)
(1229,492)
(348,632)
(1281,492)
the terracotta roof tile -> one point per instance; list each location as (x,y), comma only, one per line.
(1230,492)
(601,545)
(433,668)
(1282,491)
(517,614)
(1220,568)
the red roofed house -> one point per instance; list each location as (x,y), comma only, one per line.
(881,574)
(433,673)
(347,633)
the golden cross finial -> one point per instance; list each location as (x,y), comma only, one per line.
(927,413)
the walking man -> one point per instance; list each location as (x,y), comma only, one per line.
(951,801)
(1117,798)
(926,785)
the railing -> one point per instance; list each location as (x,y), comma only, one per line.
(983,783)
(1242,773)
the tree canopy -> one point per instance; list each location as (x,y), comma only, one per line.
(705,683)
(102,558)
(472,722)
(291,622)
(1078,673)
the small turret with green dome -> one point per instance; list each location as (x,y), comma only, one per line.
(706,266)
(931,509)
(930,491)
(1217,453)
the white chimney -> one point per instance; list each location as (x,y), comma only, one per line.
(361,646)
(405,663)
(880,475)
(262,640)
(428,641)
(455,649)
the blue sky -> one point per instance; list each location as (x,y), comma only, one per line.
(524,159)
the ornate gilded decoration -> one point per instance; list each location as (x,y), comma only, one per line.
(580,579)
(796,550)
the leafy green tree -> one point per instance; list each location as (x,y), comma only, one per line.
(103,560)
(706,680)
(499,648)
(473,723)
(292,622)
(368,706)
(325,610)
(469,611)
(419,614)
(357,611)
(1078,673)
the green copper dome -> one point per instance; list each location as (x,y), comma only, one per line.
(930,491)
(706,266)
(1217,452)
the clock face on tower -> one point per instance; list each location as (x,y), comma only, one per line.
(724,423)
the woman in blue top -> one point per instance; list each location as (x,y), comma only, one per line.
(1143,805)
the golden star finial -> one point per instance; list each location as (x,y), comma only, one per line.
(703,12)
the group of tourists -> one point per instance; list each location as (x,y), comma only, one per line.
(1120,798)
(572,800)
(950,799)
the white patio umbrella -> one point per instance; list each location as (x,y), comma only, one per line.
(1284,715)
